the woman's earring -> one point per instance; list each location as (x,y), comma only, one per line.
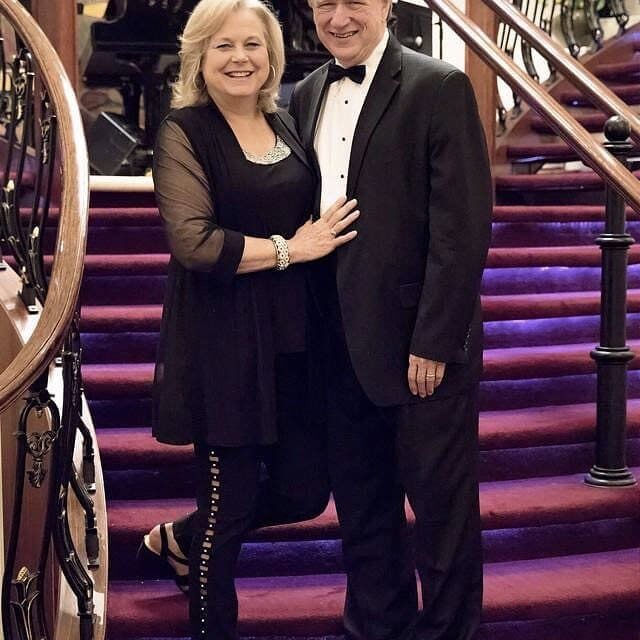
(274,71)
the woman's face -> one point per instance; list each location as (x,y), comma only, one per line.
(236,63)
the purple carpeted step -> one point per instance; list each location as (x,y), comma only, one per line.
(106,381)
(550,331)
(572,256)
(124,412)
(495,465)
(127,240)
(131,347)
(552,234)
(542,151)
(514,515)
(120,393)
(538,280)
(146,318)
(591,121)
(141,346)
(554,213)
(503,280)
(539,441)
(623,71)
(568,187)
(532,591)
(550,361)
(549,305)
(138,199)
(156,264)
(544,392)
(564,180)
(305,557)
(116,319)
(494,395)
(592,627)
(116,290)
(134,448)
(630,93)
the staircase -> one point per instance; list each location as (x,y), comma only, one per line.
(562,559)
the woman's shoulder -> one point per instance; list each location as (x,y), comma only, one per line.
(190,114)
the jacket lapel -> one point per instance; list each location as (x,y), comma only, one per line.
(384,85)
(289,135)
(315,102)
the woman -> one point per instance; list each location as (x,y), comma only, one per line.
(232,182)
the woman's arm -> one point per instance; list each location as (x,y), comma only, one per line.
(199,244)
(183,198)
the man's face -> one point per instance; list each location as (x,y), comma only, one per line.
(350,29)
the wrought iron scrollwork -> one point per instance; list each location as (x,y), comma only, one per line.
(579,22)
(39,445)
(47,427)
(72,568)
(619,12)
(26,604)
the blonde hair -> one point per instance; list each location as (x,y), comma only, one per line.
(207,18)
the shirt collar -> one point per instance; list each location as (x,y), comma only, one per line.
(372,62)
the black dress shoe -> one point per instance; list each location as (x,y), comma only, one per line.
(157,565)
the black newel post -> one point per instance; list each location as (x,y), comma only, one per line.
(612,354)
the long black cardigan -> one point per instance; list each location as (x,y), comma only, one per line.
(214,379)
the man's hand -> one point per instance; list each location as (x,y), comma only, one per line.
(424,375)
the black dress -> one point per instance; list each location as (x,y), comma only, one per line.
(220,331)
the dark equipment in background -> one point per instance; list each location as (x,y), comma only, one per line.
(135,49)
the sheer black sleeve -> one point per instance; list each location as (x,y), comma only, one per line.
(185,204)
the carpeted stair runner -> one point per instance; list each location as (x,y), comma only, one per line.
(562,558)
(546,535)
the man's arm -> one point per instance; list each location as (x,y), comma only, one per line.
(459,208)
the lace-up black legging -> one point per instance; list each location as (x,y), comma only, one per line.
(242,488)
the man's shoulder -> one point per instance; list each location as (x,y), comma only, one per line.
(309,81)
(425,65)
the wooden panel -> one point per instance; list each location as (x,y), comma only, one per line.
(482,76)
(57,18)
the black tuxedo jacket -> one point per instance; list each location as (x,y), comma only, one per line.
(410,281)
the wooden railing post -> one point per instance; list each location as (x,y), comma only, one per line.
(57,18)
(482,76)
(612,354)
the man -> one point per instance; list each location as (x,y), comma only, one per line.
(401,303)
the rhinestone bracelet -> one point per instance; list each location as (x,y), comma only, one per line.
(282,252)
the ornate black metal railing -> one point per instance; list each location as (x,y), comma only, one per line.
(575,22)
(41,141)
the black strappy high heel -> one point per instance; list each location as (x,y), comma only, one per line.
(157,564)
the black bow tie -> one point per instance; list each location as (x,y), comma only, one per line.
(336,72)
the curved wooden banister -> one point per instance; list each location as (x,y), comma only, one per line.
(66,275)
(600,160)
(598,92)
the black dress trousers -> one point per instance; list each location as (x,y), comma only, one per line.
(425,451)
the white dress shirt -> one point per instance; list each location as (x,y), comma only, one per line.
(337,121)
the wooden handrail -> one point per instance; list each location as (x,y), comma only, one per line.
(567,127)
(66,275)
(598,92)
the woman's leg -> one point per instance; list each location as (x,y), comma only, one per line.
(296,485)
(227,488)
